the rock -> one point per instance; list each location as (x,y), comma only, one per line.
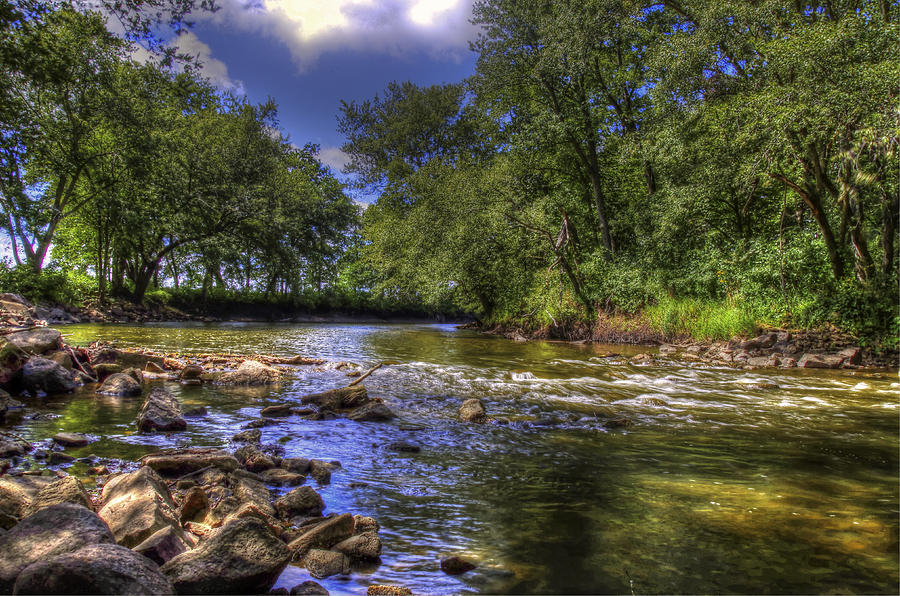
(404,447)
(851,355)
(15,303)
(71,439)
(120,384)
(126,359)
(8,404)
(104,370)
(323,535)
(244,557)
(63,359)
(251,372)
(278,411)
(36,341)
(57,458)
(817,361)
(253,459)
(300,501)
(472,410)
(191,372)
(372,412)
(667,349)
(260,423)
(252,491)
(178,462)
(384,590)
(281,477)
(16,495)
(788,362)
(619,422)
(194,505)
(363,523)
(154,368)
(62,490)
(94,569)
(360,547)
(248,436)
(50,532)
(11,445)
(163,545)
(456,566)
(325,563)
(42,375)
(298,465)
(197,412)
(136,506)
(758,361)
(309,588)
(320,471)
(160,412)
(338,399)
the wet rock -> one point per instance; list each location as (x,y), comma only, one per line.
(95,569)
(260,423)
(104,370)
(36,341)
(244,557)
(12,445)
(456,565)
(819,361)
(12,359)
(667,349)
(71,439)
(404,447)
(325,563)
(160,412)
(385,590)
(154,368)
(165,544)
(136,506)
(298,465)
(472,410)
(363,523)
(277,411)
(251,372)
(197,412)
(248,436)
(62,490)
(323,535)
(120,384)
(281,477)
(300,501)
(253,459)
(62,358)
(50,532)
(191,372)
(321,471)
(126,359)
(851,355)
(619,422)
(342,398)
(42,375)
(194,505)
(178,462)
(9,405)
(58,458)
(360,547)
(308,588)
(372,412)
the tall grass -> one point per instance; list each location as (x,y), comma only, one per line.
(701,319)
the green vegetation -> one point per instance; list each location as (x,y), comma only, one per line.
(703,167)
(708,167)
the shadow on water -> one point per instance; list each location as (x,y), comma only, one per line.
(723,483)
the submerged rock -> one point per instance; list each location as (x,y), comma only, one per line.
(472,410)
(372,412)
(456,565)
(248,436)
(251,372)
(385,590)
(160,412)
(276,411)
(308,588)
(244,557)
(94,569)
(120,384)
(53,531)
(342,398)
(191,372)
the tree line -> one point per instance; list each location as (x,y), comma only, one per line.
(669,158)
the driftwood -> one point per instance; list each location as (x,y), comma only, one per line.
(367,373)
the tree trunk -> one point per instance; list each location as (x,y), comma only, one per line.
(597,194)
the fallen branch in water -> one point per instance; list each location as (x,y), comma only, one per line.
(78,364)
(368,372)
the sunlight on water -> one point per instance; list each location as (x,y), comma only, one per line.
(725,481)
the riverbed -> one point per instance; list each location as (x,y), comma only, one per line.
(726,481)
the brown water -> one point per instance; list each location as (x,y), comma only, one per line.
(722,484)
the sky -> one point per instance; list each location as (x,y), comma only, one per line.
(310,54)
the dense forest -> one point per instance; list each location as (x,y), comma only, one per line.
(689,167)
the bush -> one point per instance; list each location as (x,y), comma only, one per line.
(50,285)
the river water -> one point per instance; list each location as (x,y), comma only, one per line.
(726,481)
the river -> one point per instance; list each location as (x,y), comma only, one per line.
(727,481)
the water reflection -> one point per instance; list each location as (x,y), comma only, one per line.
(727,481)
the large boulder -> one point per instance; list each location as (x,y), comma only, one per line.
(16,495)
(251,372)
(53,531)
(177,462)
(37,341)
(361,547)
(820,361)
(372,412)
(43,375)
(62,490)
(300,501)
(160,412)
(323,535)
(252,491)
(472,410)
(338,399)
(94,569)
(12,359)
(244,557)
(165,544)
(136,506)
(120,384)
(325,563)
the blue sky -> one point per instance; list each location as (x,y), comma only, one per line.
(310,54)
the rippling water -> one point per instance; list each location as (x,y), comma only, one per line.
(727,481)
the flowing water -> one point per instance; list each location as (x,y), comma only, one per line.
(727,480)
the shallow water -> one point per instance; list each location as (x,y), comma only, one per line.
(724,483)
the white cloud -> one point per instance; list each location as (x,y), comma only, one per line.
(213,69)
(333,158)
(310,28)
